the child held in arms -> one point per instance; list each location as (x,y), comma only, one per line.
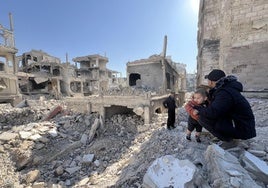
(199,98)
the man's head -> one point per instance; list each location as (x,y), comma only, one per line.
(172,93)
(214,76)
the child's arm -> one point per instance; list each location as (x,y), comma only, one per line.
(189,107)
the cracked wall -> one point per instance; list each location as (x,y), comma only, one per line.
(233,36)
(157,73)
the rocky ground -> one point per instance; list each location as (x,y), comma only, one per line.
(80,150)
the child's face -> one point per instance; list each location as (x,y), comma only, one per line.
(198,98)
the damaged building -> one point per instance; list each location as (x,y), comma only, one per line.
(39,72)
(89,86)
(9,91)
(158,73)
(148,84)
(233,36)
(92,75)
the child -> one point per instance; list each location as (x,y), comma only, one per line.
(199,99)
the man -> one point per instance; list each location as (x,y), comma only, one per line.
(170,104)
(229,115)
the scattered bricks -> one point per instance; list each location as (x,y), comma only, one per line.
(59,171)
(32,176)
(7,136)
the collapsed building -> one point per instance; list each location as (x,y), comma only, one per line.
(233,36)
(148,84)
(91,75)
(9,91)
(39,72)
(88,86)
(138,99)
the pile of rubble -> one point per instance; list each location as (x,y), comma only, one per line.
(128,91)
(47,145)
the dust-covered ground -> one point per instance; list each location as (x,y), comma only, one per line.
(80,150)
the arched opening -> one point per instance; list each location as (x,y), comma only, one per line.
(114,109)
(158,111)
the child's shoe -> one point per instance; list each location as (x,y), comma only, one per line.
(197,138)
(188,137)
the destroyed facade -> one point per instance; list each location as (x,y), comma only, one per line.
(39,73)
(148,84)
(233,36)
(92,74)
(89,86)
(9,91)
(157,73)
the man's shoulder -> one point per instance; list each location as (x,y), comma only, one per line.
(225,90)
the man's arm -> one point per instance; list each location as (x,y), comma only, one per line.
(165,103)
(220,106)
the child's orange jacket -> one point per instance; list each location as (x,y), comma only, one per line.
(189,107)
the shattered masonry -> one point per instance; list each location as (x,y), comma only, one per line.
(89,86)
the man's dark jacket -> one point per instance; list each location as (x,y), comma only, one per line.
(227,107)
(170,104)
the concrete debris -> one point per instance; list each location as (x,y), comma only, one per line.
(225,169)
(138,110)
(22,104)
(7,136)
(32,176)
(256,167)
(53,113)
(83,150)
(93,129)
(167,171)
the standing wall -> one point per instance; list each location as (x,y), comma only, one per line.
(233,36)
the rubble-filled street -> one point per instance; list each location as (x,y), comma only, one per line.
(78,121)
(80,150)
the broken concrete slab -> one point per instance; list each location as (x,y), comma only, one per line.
(225,169)
(167,171)
(255,166)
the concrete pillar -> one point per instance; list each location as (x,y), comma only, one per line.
(164,83)
(58,86)
(89,107)
(97,62)
(102,112)
(82,87)
(147,115)
(15,64)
